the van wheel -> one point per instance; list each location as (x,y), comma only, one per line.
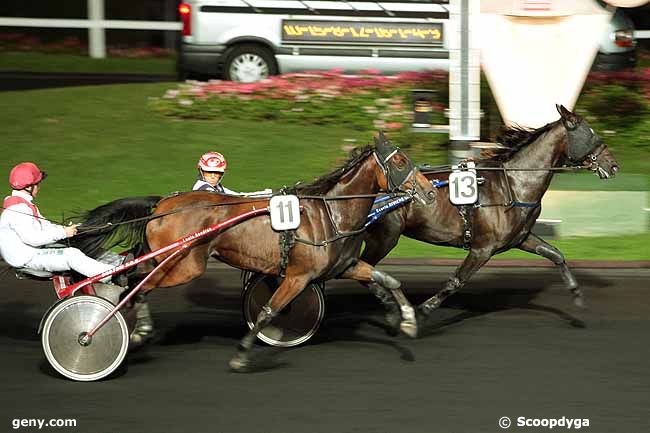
(249,63)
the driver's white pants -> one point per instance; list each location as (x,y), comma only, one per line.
(64,259)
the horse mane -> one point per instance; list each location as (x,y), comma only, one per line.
(120,223)
(515,138)
(326,182)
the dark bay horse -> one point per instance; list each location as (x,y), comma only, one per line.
(509,203)
(326,245)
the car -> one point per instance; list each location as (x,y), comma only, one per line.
(617,49)
(248,40)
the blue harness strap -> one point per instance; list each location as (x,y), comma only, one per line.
(379,211)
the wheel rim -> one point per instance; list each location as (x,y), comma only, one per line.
(299,321)
(60,338)
(248,68)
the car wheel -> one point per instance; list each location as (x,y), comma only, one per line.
(249,63)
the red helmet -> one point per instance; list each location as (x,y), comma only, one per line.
(25,175)
(213,161)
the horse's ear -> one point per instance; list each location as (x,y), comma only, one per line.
(380,138)
(563,111)
(569,119)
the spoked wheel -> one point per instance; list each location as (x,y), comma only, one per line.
(68,322)
(297,323)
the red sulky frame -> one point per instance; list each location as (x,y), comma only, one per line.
(176,248)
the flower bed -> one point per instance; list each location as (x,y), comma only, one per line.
(365,102)
(369,101)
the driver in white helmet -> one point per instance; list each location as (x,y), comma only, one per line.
(23,230)
(212,166)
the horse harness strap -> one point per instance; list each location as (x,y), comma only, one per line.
(287,241)
(510,203)
(466,213)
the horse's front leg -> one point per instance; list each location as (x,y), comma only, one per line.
(536,245)
(476,258)
(380,283)
(290,287)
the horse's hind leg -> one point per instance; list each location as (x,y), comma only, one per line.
(472,263)
(290,287)
(378,283)
(536,245)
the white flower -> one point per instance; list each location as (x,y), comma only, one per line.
(185,102)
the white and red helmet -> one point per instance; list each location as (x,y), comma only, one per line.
(25,175)
(213,161)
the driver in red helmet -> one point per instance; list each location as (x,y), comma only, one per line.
(23,230)
(212,166)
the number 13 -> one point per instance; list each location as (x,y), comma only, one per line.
(465,186)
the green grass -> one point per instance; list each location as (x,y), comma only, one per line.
(42,62)
(590,248)
(101,143)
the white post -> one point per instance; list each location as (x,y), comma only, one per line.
(464,77)
(96,33)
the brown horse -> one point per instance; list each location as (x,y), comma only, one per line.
(509,203)
(326,244)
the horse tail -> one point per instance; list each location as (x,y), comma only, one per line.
(121,223)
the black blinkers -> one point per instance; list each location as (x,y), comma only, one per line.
(396,173)
(582,140)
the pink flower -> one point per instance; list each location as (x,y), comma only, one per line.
(393,125)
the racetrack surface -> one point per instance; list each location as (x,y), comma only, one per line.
(507,346)
(19,80)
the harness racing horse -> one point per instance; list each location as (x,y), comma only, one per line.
(509,203)
(326,244)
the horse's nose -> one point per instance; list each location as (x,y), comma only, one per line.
(431,195)
(615,169)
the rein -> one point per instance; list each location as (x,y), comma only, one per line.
(447,169)
(90,229)
(511,196)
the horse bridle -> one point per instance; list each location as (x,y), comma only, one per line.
(396,177)
(585,146)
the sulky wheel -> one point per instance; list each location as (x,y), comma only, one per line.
(67,321)
(299,320)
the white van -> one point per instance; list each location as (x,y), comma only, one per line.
(248,40)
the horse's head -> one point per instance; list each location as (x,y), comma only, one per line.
(584,147)
(399,173)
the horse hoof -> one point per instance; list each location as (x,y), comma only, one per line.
(239,363)
(393,320)
(579,301)
(409,328)
(273,332)
(429,306)
(140,337)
